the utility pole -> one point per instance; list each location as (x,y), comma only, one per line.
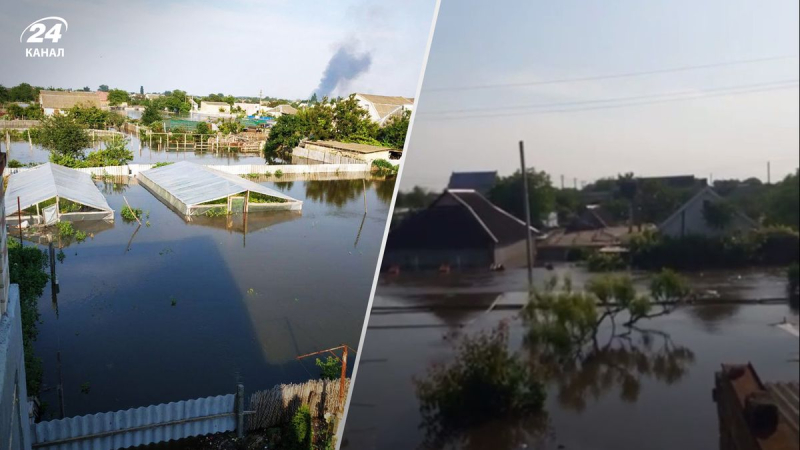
(527,214)
(769,173)
(562,182)
(343,359)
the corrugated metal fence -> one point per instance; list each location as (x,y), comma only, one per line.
(138,426)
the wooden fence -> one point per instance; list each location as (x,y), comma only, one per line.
(277,405)
(18,124)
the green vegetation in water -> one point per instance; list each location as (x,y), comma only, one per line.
(279,173)
(268,174)
(61,256)
(384,168)
(67,230)
(216,212)
(27,269)
(253,176)
(85,387)
(161,164)
(173,301)
(128,214)
(256,197)
(330,368)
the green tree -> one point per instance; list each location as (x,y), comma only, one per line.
(352,122)
(3,94)
(23,92)
(782,203)
(317,121)
(150,115)
(393,133)
(202,128)
(508,194)
(330,368)
(117,96)
(65,137)
(287,133)
(94,117)
(103,88)
(115,153)
(86,89)
(141,90)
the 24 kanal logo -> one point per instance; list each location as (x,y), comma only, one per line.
(47,31)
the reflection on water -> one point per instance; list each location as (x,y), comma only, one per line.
(628,390)
(177,310)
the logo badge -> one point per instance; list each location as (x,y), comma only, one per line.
(47,31)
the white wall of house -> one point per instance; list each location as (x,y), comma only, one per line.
(250,109)
(214,108)
(690,220)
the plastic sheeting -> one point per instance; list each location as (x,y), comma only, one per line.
(193,184)
(50,180)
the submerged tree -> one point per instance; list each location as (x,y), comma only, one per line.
(484,381)
(65,137)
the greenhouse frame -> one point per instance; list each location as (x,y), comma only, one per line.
(193,190)
(50,193)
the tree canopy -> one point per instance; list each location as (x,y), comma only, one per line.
(507,193)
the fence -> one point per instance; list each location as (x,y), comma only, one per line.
(18,124)
(331,157)
(238,169)
(277,405)
(139,426)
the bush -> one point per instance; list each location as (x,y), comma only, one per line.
(604,262)
(14,164)
(116,153)
(383,167)
(161,164)
(330,369)
(128,214)
(484,382)
(300,432)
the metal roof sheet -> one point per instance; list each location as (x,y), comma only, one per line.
(50,180)
(194,184)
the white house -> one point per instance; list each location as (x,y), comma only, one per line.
(280,110)
(690,219)
(381,108)
(213,108)
(251,109)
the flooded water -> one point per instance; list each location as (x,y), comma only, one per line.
(650,390)
(25,153)
(178,310)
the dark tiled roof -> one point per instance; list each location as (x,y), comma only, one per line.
(458,219)
(479,181)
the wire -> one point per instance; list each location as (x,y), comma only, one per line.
(614,99)
(609,76)
(619,105)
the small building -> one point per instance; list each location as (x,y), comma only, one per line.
(279,110)
(565,245)
(482,182)
(50,193)
(381,108)
(335,152)
(691,218)
(250,109)
(462,229)
(193,190)
(213,108)
(61,101)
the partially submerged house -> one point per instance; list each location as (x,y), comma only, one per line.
(214,108)
(61,101)
(461,229)
(382,108)
(50,193)
(692,218)
(341,152)
(192,190)
(483,182)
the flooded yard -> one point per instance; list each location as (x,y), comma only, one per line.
(651,389)
(174,310)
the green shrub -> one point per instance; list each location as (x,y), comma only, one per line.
(300,432)
(14,164)
(161,164)
(604,262)
(330,369)
(279,173)
(65,229)
(384,167)
(129,214)
(216,212)
(255,197)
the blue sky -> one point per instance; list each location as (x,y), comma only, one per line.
(513,42)
(237,47)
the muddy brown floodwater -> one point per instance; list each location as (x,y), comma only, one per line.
(650,390)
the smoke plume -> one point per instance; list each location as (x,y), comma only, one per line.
(344,66)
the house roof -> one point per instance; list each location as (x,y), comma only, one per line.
(215,103)
(194,184)
(350,147)
(479,181)
(591,218)
(387,106)
(458,218)
(66,100)
(699,197)
(49,180)
(284,109)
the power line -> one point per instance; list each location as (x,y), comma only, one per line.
(740,91)
(613,99)
(610,76)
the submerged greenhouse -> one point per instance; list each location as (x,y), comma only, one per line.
(193,190)
(50,193)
